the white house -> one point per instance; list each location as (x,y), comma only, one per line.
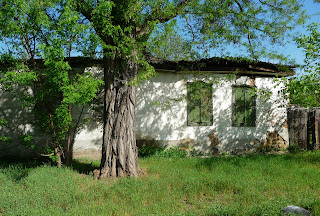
(212,105)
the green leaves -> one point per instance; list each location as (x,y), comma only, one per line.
(82,90)
(4,139)
(49,30)
(304,90)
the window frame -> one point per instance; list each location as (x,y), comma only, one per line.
(245,106)
(190,104)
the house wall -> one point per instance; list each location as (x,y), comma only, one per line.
(18,122)
(161,115)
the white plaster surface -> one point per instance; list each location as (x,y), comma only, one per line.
(168,121)
(161,114)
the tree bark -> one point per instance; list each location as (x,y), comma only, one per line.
(69,153)
(57,152)
(119,151)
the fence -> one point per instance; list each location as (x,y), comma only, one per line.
(304,127)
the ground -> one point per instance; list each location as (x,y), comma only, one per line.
(237,185)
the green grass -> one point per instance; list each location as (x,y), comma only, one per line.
(251,185)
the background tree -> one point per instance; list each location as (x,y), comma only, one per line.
(304,90)
(123,31)
(34,30)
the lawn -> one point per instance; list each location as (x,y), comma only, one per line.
(233,185)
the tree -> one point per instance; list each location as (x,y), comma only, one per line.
(30,31)
(304,90)
(124,29)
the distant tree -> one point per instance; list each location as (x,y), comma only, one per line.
(125,30)
(304,90)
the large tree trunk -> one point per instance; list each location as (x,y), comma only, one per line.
(119,151)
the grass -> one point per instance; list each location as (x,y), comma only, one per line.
(251,185)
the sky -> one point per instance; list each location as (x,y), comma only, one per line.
(313,9)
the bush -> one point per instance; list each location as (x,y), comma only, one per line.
(173,152)
(148,148)
(151,148)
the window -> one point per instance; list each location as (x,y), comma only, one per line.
(199,100)
(244,106)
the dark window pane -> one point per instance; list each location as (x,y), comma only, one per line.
(244,102)
(199,99)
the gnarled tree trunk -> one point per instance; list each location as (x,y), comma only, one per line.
(119,151)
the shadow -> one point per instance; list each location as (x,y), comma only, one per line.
(19,123)
(86,136)
(17,169)
(85,166)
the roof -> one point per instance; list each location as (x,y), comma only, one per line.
(217,65)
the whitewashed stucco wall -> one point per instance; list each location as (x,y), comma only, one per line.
(161,115)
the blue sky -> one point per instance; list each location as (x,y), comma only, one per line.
(313,9)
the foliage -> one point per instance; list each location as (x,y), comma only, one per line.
(35,29)
(187,186)
(156,151)
(304,90)
(212,27)
(148,150)
(4,139)
(172,152)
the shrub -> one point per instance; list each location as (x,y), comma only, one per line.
(148,148)
(173,152)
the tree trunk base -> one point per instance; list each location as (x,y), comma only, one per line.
(97,175)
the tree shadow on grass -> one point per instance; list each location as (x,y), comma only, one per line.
(85,166)
(17,170)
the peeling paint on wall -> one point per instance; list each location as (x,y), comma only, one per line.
(274,140)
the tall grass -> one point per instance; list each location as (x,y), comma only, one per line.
(251,185)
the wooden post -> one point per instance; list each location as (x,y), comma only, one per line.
(311,130)
(317,141)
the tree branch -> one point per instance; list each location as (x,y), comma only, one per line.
(159,15)
(84,8)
